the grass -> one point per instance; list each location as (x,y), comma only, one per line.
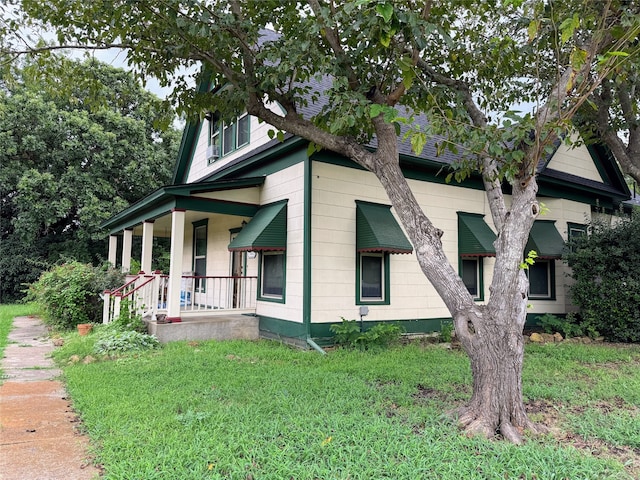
(7,314)
(260,410)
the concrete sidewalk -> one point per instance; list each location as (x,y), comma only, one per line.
(38,437)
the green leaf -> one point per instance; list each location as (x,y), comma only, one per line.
(534,25)
(375,110)
(568,27)
(385,38)
(418,141)
(617,54)
(578,58)
(385,10)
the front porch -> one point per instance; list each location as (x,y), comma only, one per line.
(211,308)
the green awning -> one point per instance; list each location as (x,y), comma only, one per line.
(545,239)
(267,230)
(475,238)
(378,231)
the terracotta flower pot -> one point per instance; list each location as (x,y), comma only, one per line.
(84,328)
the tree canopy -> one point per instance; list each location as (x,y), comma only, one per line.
(465,65)
(72,154)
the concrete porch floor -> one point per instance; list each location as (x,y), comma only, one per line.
(210,327)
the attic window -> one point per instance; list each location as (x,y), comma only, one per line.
(226,137)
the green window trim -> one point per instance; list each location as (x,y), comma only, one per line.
(266,297)
(550,270)
(384,278)
(228,136)
(575,230)
(479,275)
(199,263)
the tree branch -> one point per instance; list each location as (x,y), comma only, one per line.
(490,177)
(334,42)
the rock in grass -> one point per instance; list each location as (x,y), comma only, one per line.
(535,337)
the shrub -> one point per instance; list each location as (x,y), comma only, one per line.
(606,269)
(446,331)
(127,321)
(348,334)
(567,326)
(114,342)
(68,294)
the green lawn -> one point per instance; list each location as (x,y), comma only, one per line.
(260,410)
(7,313)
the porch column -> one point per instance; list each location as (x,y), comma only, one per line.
(113,247)
(147,246)
(127,241)
(175,265)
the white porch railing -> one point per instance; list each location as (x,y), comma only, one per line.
(146,295)
(218,293)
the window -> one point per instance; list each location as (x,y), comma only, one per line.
(542,279)
(471,274)
(272,277)
(200,254)
(226,137)
(373,278)
(574,232)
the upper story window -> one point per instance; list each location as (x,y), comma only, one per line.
(226,137)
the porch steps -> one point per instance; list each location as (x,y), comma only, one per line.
(214,327)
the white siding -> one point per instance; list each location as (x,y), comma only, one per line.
(288,184)
(200,167)
(335,190)
(575,161)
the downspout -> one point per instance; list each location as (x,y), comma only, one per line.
(306,259)
(315,346)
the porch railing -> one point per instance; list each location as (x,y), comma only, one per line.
(218,293)
(147,295)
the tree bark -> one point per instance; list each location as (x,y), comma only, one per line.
(496,352)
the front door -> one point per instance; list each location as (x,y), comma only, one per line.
(237,271)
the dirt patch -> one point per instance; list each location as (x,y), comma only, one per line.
(549,414)
(627,456)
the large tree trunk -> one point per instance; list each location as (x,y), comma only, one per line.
(496,349)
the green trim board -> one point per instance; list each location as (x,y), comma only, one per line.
(189,140)
(284,328)
(545,239)
(322,334)
(265,161)
(267,230)
(378,231)
(475,237)
(426,170)
(291,329)
(607,166)
(307,257)
(166,198)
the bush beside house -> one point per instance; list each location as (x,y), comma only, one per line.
(606,269)
(69,294)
